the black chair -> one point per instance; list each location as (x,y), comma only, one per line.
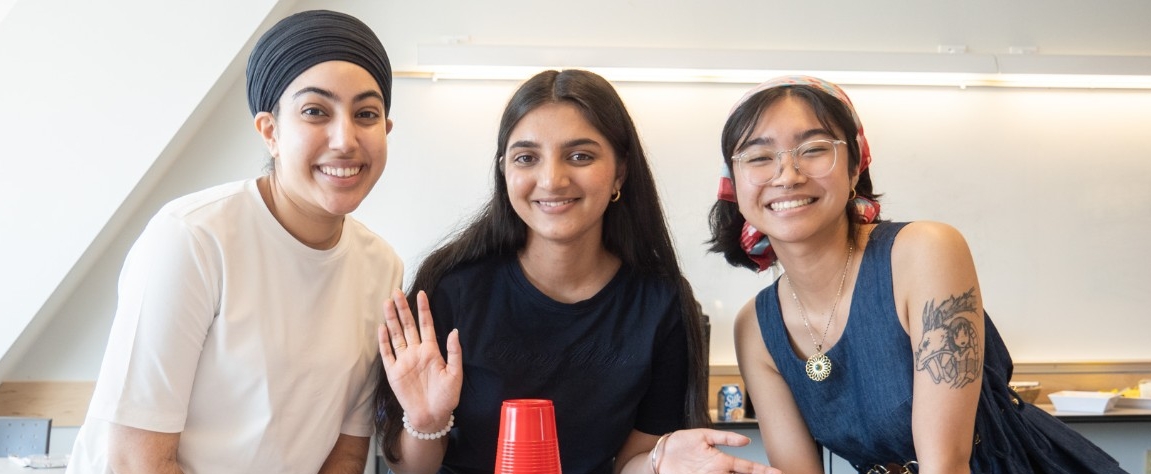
(24,436)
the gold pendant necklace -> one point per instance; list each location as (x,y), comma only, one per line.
(819,365)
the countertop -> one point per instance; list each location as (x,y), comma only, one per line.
(1115,415)
(9,467)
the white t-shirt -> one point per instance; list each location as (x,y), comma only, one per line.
(259,350)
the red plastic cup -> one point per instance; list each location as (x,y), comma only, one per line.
(527,443)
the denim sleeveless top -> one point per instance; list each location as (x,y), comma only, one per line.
(862,411)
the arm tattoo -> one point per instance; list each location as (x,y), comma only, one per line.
(949,350)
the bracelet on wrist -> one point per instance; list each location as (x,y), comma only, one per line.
(428,436)
(656,453)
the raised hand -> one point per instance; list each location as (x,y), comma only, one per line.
(694,451)
(427,388)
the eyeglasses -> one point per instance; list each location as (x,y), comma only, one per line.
(814,159)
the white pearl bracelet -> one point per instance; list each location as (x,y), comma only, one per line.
(437,435)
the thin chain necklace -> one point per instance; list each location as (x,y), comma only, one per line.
(819,365)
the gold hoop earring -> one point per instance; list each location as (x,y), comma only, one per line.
(616,195)
(853,195)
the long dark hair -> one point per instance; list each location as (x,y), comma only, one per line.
(725,219)
(634,228)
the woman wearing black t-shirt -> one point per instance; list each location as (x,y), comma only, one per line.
(564,287)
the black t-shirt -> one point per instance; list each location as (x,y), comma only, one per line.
(610,364)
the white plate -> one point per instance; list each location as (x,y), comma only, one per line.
(1129,402)
(1081,401)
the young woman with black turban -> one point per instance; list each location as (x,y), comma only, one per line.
(244,334)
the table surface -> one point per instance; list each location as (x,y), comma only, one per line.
(1115,415)
(9,467)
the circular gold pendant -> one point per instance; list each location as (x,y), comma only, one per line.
(818,367)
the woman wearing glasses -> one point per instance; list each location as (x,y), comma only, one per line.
(874,342)
(564,287)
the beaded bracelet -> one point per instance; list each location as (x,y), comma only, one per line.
(429,436)
(655,453)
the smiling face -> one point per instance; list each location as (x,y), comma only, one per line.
(792,206)
(329,142)
(561,173)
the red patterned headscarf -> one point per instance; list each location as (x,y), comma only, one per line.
(754,242)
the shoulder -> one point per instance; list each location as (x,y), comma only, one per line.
(649,297)
(661,286)
(747,317)
(746,320)
(208,201)
(484,272)
(196,216)
(373,253)
(215,210)
(368,239)
(930,259)
(926,240)
(750,349)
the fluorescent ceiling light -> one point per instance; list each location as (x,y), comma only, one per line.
(468,61)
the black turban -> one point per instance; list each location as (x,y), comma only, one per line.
(306,39)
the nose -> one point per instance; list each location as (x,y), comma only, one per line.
(342,134)
(552,173)
(788,174)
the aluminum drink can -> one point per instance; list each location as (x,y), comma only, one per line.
(729,403)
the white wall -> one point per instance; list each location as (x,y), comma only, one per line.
(1048,185)
(5,6)
(72,344)
(101,97)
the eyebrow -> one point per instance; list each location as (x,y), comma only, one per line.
(580,142)
(801,137)
(568,144)
(314,90)
(330,95)
(368,95)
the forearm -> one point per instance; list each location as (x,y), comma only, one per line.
(944,437)
(133,450)
(419,456)
(343,466)
(945,451)
(638,464)
(943,467)
(140,467)
(348,456)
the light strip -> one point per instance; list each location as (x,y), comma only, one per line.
(492,62)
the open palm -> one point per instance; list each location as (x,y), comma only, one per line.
(427,387)
(694,451)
